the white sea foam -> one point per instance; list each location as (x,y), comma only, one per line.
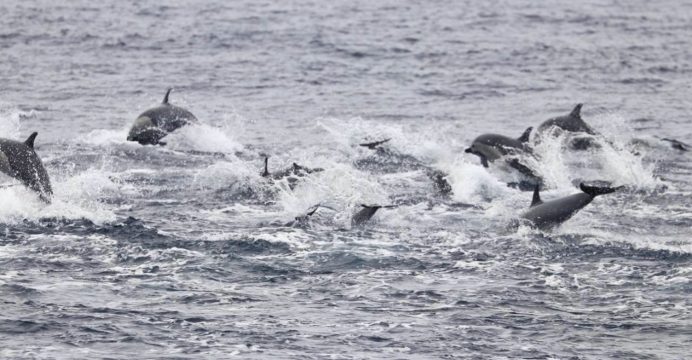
(75,197)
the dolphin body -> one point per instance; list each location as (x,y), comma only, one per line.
(152,125)
(19,160)
(548,215)
(367,212)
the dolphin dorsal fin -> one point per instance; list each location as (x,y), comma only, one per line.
(536,197)
(165,97)
(525,136)
(576,112)
(265,173)
(30,140)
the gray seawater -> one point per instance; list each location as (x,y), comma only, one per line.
(179,252)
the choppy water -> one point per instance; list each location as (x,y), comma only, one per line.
(179,252)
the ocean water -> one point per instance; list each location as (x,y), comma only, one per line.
(179,251)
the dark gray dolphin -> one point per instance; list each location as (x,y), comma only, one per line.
(490,147)
(294,170)
(152,125)
(571,122)
(367,211)
(19,160)
(303,220)
(390,160)
(547,215)
(291,174)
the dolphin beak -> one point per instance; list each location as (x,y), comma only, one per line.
(469,151)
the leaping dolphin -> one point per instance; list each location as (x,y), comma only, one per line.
(550,214)
(19,160)
(490,147)
(366,213)
(152,125)
(571,122)
(303,220)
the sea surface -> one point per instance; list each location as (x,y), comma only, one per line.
(181,251)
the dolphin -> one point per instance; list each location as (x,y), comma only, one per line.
(490,147)
(152,125)
(291,174)
(367,211)
(387,158)
(303,220)
(550,214)
(19,160)
(677,144)
(294,170)
(571,122)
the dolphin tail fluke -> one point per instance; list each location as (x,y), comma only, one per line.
(165,97)
(576,112)
(525,136)
(30,140)
(598,190)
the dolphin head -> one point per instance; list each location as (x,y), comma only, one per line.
(489,147)
(145,131)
